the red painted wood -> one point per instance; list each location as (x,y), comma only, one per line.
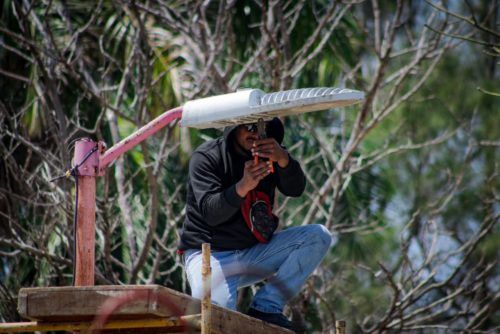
(85,231)
(85,223)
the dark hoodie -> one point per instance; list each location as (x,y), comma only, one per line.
(213,206)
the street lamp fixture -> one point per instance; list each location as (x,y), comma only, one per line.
(247,106)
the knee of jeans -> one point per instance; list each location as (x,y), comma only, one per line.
(323,234)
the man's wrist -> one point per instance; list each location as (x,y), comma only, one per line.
(240,189)
(283,162)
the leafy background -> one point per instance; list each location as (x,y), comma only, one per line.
(407,181)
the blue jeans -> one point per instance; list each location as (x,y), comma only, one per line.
(286,261)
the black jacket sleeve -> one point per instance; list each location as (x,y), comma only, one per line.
(291,180)
(215,203)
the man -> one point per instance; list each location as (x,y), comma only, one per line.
(222,173)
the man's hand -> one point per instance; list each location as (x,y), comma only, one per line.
(270,149)
(252,175)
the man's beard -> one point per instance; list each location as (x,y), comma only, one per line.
(241,150)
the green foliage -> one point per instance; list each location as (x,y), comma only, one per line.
(381,210)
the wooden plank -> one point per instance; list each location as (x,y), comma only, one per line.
(206,302)
(168,325)
(340,327)
(83,303)
(85,231)
(72,304)
(227,321)
(22,302)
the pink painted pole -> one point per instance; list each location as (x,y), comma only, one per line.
(85,232)
(140,135)
(93,164)
(85,223)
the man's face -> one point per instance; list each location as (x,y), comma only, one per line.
(246,135)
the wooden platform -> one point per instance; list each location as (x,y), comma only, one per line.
(78,306)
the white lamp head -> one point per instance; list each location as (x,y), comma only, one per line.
(247,106)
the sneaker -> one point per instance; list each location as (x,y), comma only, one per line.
(274,318)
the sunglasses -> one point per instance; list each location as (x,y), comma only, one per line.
(250,127)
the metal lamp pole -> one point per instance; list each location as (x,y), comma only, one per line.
(92,161)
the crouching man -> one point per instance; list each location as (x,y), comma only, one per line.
(229,206)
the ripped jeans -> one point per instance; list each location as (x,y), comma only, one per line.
(286,262)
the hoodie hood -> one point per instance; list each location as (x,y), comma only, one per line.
(274,129)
